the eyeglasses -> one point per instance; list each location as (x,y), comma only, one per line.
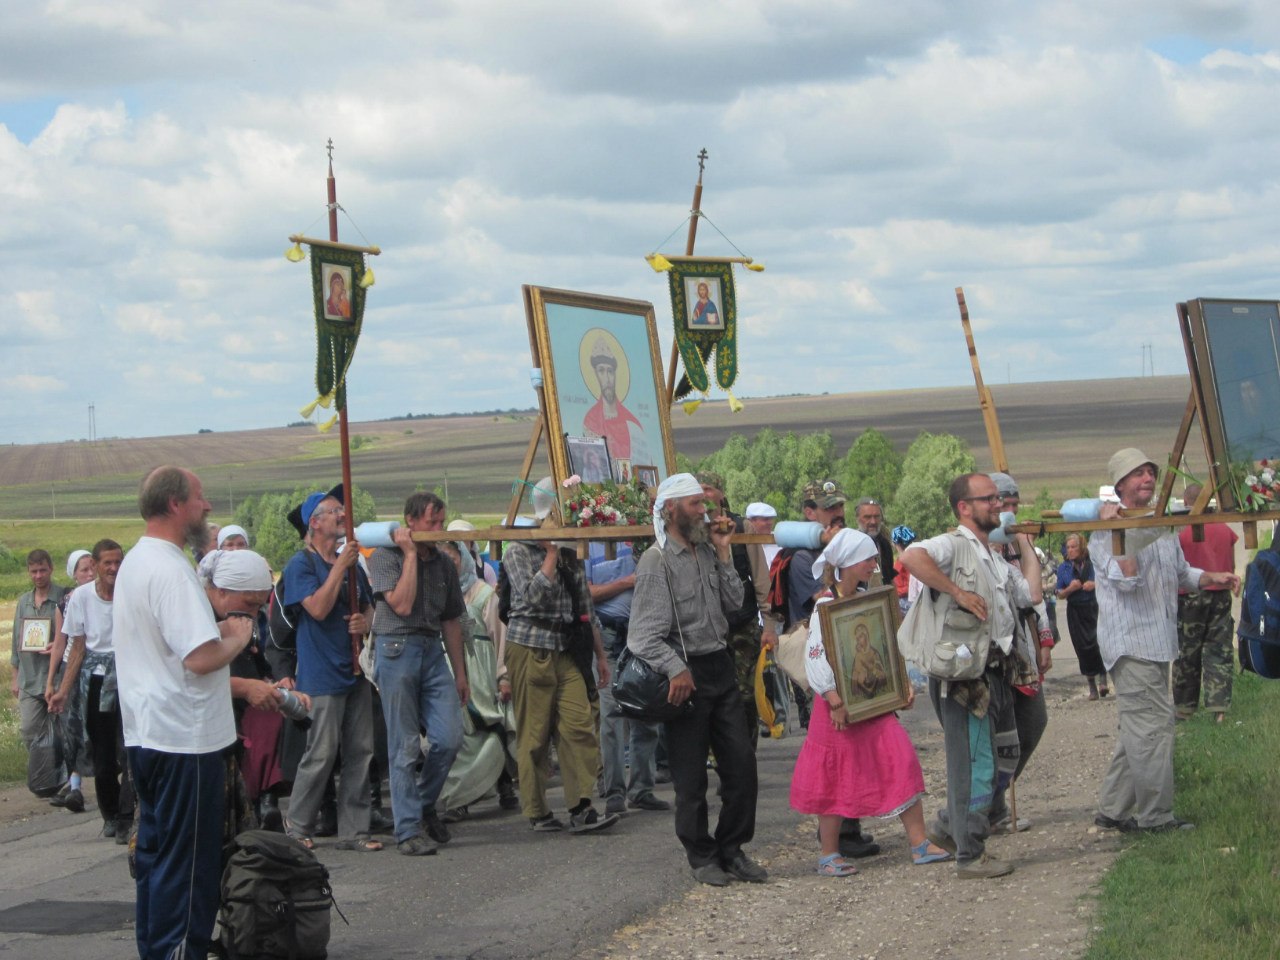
(989,498)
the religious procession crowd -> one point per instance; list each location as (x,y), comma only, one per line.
(200,696)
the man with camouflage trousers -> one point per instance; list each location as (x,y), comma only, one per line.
(1204,623)
(751,625)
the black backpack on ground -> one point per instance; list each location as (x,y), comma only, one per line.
(275,900)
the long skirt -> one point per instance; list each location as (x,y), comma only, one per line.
(1082,624)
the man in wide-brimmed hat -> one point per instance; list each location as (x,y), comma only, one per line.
(1138,637)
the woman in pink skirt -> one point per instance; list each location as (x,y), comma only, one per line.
(845,770)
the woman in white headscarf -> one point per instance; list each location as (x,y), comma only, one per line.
(853,770)
(238,584)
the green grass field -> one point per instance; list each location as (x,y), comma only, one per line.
(1210,893)
(1056,435)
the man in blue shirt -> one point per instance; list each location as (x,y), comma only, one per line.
(315,582)
(612,583)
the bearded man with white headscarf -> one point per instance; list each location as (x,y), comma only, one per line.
(685,587)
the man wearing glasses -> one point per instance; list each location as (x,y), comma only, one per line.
(967,709)
(315,582)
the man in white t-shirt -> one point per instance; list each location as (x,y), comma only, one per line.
(91,668)
(175,700)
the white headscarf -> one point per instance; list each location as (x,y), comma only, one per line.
(74,557)
(239,570)
(845,549)
(673,488)
(230,530)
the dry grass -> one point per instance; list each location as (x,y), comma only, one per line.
(1057,435)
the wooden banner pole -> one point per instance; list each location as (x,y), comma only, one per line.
(344,445)
(694,213)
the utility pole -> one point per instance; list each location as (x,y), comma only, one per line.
(93,424)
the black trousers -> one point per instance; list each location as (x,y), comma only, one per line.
(111,779)
(718,723)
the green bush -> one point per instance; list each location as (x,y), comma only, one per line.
(270,533)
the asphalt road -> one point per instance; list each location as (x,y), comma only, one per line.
(496,890)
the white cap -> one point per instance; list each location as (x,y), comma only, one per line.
(759,510)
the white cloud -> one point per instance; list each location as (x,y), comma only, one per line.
(24,383)
(1078,167)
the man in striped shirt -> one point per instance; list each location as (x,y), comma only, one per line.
(1138,637)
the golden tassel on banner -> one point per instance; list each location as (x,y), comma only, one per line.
(328,424)
(295,254)
(757,267)
(690,406)
(735,405)
(658,262)
(367,280)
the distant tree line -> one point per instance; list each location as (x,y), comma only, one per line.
(271,534)
(911,488)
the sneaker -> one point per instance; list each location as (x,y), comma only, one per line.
(380,821)
(940,839)
(1169,826)
(712,874)
(588,820)
(547,824)
(269,816)
(1004,825)
(108,828)
(123,829)
(327,821)
(858,848)
(647,801)
(746,869)
(984,868)
(615,804)
(455,815)
(436,830)
(507,799)
(417,846)
(1128,825)
(73,801)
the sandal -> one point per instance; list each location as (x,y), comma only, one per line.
(292,833)
(920,855)
(362,843)
(834,865)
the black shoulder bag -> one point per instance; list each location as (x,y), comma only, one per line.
(639,691)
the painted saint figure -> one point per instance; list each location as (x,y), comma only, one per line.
(704,312)
(337,305)
(869,674)
(608,417)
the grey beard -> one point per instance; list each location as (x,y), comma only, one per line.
(197,537)
(693,531)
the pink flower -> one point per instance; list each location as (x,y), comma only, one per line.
(572,481)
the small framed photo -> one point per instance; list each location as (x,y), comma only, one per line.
(859,634)
(705,303)
(647,475)
(589,458)
(37,634)
(622,471)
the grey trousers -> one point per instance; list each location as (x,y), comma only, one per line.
(1139,782)
(969,743)
(342,722)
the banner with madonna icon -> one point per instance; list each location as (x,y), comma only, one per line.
(339,279)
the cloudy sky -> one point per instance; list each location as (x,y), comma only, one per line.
(1079,167)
